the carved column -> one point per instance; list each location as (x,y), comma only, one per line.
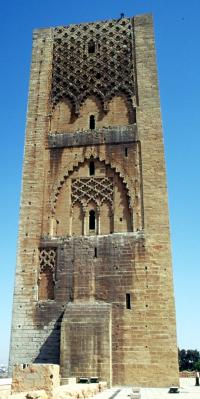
(70,220)
(112,227)
(85,220)
(131,219)
(98,212)
(52,223)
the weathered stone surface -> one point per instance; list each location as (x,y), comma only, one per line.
(35,377)
(117,135)
(86,327)
(68,381)
(94,218)
(41,394)
(79,391)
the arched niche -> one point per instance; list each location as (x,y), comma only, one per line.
(62,119)
(91,115)
(118,112)
(91,220)
(104,192)
(46,285)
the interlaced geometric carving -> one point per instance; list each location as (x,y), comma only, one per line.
(89,189)
(47,259)
(105,71)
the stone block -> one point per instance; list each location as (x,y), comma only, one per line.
(68,381)
(79,391)
(34,377)
(41,394)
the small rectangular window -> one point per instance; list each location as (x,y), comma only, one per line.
(126,152)
(92,221)
(92,122)
(92,168)
(95,252)
(128,301)
(134,115)
(91,47)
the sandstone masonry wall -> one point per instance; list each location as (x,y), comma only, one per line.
(94,229)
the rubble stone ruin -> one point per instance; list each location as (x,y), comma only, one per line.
(94,290)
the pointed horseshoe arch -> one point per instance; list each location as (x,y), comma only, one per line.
(58,186)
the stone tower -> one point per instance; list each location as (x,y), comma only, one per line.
(94,289)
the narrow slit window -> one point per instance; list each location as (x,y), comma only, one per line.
(91,47)
(128,301)
(92,168)
(92,122)
(92,221)
(134,115)
(126,152)
(95,252)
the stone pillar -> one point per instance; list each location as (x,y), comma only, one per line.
(112,219)
(71,220)
(52,226)
(132,220)
(35,377)
(98,213)
(85,220)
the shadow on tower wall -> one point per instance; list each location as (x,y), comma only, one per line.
(50,350)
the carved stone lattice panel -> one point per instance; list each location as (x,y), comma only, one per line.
(47,259)
(106,71)
(92,189)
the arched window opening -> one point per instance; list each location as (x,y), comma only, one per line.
(92,220)
(91,47)
(92,122)
(92,168)
(47,262)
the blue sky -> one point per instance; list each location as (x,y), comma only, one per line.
(177,31)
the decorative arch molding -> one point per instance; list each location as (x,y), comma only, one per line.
(109,62)
(76,103)
(97,94)
(128,98)
(121,92)
(105,100)
(113,165)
